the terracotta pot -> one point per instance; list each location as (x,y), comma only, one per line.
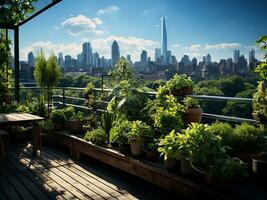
(186,91)
(176,92)
(259,167)
(171,164)
(193,115)
(186,167)
(137,146)
(75,127)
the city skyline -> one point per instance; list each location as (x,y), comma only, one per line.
(138,29)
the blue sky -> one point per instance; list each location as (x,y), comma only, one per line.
(194,27)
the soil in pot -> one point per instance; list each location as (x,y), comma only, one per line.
(186,91)
(193,115)
(137,146)
(171,164)
(186,167)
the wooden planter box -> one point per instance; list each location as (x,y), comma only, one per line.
(145,170)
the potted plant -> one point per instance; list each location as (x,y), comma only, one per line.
(138,134)
(178,85)
(150,149)
(58,118)
(119,135)
(97,136)
(260,104)
(168,148)
(74,121)
(193,111)
(91,123)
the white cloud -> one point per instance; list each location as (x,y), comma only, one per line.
(176,45)
(56,27)
(157,25)
(128,45)
(70,48)
(82,24)
(108,10)
(223,46)
(201,47)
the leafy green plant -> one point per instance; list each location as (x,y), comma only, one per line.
(168,115)
(68,112)
(248,139)
(97,136)
(89,94)
(227,168)
(173,145)
(23,109)
(260,102)
(225,131)
(79,116)
(175,83)
(190,102)
(106,121)
(119,133)
(58,116)
(140,129)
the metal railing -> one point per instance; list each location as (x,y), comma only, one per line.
(63,100)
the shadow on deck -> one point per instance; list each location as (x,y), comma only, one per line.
(53,175)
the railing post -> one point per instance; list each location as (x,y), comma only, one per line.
(63,97)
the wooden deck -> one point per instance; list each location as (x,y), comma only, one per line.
(54,176)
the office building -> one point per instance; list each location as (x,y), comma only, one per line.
(115,53)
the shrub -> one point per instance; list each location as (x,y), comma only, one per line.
(68,112)
(190,102)
(97,136)
(140,129)
(225,131)
(248,138)
(119,134)
(58,116)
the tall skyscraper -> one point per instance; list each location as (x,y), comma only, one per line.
(128,57)
(87,53)
(208,59)
(251,56)
(236,56)
(31,59)
(144,57)
(60,59)
(157,54)
(164,47)
(115,53)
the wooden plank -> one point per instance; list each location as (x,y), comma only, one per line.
(8,189)
(31,182)
(47,179)
(20,188)
(18,117)
(57,178)
(69,179)
(85,171)
(2,194)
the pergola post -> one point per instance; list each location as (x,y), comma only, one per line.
(16,62)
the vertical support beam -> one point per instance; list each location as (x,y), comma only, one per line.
(16,59)
(7,58)
(63,98)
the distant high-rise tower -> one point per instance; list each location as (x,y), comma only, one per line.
(87,53)
(157,54)
(61,59)
(115,53)
(128,57)
(251,56)
(31,59)
(164,47)
(208,59)
(236,56)
(144,57)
